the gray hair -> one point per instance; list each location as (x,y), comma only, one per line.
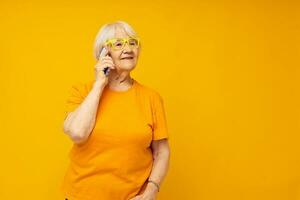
(107,31)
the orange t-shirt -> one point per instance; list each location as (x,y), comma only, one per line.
(116,160)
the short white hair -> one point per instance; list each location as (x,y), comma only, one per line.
(107,31)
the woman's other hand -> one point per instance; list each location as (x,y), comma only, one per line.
(149,194)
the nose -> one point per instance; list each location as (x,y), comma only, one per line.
(126,46)
(127,49)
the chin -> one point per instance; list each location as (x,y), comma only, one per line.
(127,67)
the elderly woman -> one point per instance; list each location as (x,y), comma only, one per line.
(117,125)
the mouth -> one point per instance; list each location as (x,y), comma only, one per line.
(127,58)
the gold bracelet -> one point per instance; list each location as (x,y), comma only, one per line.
(149,181)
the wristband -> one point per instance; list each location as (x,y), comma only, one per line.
(149,181)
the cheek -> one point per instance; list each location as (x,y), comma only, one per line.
(136,52)
(115,59)
(115,55)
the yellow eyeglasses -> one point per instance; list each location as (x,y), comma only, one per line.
(119,43)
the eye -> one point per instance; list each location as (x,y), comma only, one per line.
(133,42)
(117,43)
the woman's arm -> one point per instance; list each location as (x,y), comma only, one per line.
(79,123)
(161,155)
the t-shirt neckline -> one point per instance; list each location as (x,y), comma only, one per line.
(124,91)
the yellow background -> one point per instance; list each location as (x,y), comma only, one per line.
(228,72)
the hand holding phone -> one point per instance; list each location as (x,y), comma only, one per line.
(104,53)
(104,65)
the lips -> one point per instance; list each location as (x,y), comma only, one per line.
(126,58)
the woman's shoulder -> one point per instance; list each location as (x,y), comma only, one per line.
(148,90)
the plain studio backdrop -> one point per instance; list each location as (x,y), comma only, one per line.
(228,72)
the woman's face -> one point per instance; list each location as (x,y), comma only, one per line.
(120,57)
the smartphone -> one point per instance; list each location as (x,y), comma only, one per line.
(103,53)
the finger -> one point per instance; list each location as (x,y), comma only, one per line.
(100,65)
(106,58)
(102,68)
(109,65)
(109,61)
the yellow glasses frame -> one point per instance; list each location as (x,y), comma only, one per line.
(111,43)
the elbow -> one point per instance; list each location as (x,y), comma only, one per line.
(77,136)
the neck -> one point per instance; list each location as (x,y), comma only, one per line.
(119,81)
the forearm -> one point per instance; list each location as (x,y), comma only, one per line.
(81,122)
(159,169)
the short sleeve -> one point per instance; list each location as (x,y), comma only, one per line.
(160,129)
(77,94)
